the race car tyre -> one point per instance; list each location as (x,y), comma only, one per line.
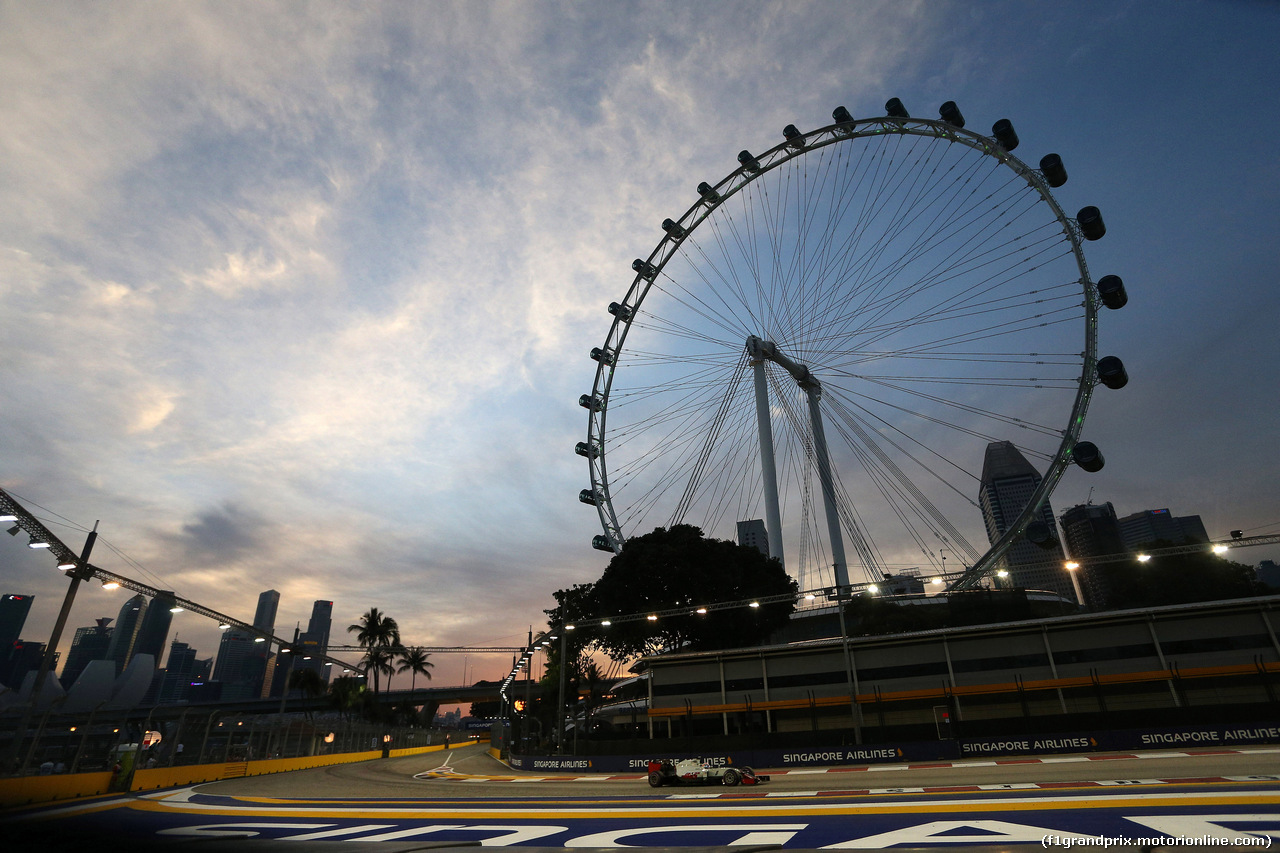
(655,779)
(732,777)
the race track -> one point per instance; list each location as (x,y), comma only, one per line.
(464,796)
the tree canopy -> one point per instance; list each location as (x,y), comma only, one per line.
(678,568)
(1177,579)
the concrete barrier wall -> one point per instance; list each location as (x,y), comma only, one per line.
(21,790)
(27,790)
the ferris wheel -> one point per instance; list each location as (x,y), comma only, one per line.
(831,336)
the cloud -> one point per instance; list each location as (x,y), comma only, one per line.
(301,297)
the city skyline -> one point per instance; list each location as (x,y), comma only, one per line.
(318,319)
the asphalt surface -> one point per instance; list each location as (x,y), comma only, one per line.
(398,778)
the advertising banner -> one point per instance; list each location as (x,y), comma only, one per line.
(1190,737)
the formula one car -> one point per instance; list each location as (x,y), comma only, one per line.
(691,771)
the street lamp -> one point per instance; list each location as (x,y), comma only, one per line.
(1072,567)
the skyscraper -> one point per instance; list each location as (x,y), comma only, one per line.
(264,618)
(1092,530)
(13,615)
(315,640)
(154,629)
(753,534)
(19,658)
(127,623)
(242,660)
(1008,481)
(89,644)
(1144,529)
(178,672)
(321,620)
(306,650)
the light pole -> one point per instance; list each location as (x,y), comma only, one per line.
(1072,569)
(841,592)
(79,572)
(564,665)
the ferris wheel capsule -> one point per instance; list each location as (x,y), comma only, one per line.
(1087,455)
(1091,224)
(1055,174)
(1004,133)
(951,114)
(1111,372)
(1111,291)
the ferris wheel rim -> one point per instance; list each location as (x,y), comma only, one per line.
(650,268)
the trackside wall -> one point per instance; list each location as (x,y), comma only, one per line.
(26,790)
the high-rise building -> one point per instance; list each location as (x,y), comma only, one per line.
(126,631)
(1149,527)
(89,644)
(1008,481)
(1092,530)
(154,628)
(19,658)
(179,672)
(13,615)
(242,658)
(315,640)
(753,534)
(321,621)
(306,650)
(264,618)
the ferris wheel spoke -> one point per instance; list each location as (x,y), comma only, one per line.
(863,433)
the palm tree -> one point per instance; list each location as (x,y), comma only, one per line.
(381,659)
(415,660)
(376,631)
(344,694)
(307,682)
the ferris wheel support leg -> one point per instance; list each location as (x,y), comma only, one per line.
(768,467)
(812,390)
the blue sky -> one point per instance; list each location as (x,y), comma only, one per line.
(300,295)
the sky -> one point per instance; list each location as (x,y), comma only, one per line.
(300,296)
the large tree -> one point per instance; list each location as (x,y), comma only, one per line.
(415,660)
(677,569)
(379,634)
(1177,579)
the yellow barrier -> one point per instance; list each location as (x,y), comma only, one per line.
(25,790)
(22,790)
